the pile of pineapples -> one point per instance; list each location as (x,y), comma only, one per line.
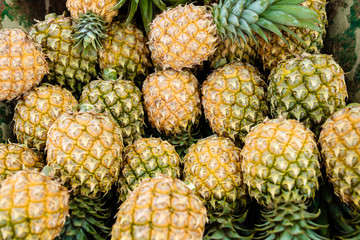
(208,120)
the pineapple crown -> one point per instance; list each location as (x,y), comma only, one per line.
(89,31)
(242,18)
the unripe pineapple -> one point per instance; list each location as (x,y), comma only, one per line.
(119,99)
(308,88)
(85,148)
(277,50)
(234,100)
(147,158)
(37,110)
(280,162)
(15,157)
(185,36)
(22,65)
(172,101)
(160,208)
(340,147)
(124,49)
(32,206)
(69,66)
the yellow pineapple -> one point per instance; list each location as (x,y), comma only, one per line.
(32,206)
(160,208)
(22,65)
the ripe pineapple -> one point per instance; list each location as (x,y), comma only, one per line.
(85,149)
(90,19)
(277,49)
(32,206)
(281,169)
(213,166)
(234,100)
(124,49)
(119,99)
(160,208)
(69,66)
(185,36)
(147,158)
(37,110)
(15,157)
(172,101)
(22,65)
(340,147)
(308,88)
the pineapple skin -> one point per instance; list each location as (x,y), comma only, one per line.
(182,37)
(172,101)
(32,206)
(69,65)
(339,141)
(22,64)
(103,8)
(85,149)
(125,50)
(308,88)
(160,208)
(15,157)
(147,158)
(37,110)
(234,100)
(213,165)
(280,162)
(120,100)
(276,50)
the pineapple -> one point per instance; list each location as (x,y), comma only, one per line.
(32,206)
(37,110)
(340,147)
(308,88)
(185,36)
(213,166)
(69,66)
(147,158)
(234,100)
(22,64)
(85,150)
(120,100)
(15,157)
(281,169)
(125,50)
(160,208)
(172,102)
(304,40)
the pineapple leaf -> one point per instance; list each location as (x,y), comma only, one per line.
(266,24)
(281,17)
(287,2)
(260,32)
(133,7)
(297,11)
(259,6)
(160,4)
(146,10)
(286,29)
(119,4)
(250,16)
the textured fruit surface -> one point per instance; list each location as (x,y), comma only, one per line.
(68,65)
(147,158)
(37,110)
(308,88)
(277,50)
(103,8)
(172,101)
(182,37)
(120,99)
(22,65)
(280,162)
(32,206)
(213,166)
(340,147)
(125,50)
(160,208)
(85,148)
(15,157)
(234,100)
